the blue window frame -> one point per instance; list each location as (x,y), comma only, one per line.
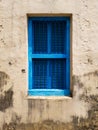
(49,56)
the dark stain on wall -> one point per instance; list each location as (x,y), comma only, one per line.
(76,81)
(3,80)
(23,70)
(6,100)
(89,123)
(10,63)
(6,96)
(30,109)
(1,26)
(95,73)
(77,123)
(13,125)
(41,108)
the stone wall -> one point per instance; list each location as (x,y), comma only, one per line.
(18,111)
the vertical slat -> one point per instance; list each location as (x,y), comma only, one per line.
(48,75)
(30,53)
(40,37)
(40,74)
(58,73)
(68,52)
(65,52)
(49,51)
(49,37)
(58,34)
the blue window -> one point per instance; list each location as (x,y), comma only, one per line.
(49,56)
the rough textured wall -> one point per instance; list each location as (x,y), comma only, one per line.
(17,111)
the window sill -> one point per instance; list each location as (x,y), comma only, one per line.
(54,94)
(49,92)
(49,97)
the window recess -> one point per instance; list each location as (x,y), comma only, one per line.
(49,56)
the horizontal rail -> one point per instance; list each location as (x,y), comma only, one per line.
(49,18)
(56,56)
(49,92)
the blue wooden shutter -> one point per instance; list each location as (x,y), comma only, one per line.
(49,55)
(40,37)
(40,74)
(58,74)
(58,44)
(58,37)
(40,47)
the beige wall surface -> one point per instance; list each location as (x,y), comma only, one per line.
(16,108)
